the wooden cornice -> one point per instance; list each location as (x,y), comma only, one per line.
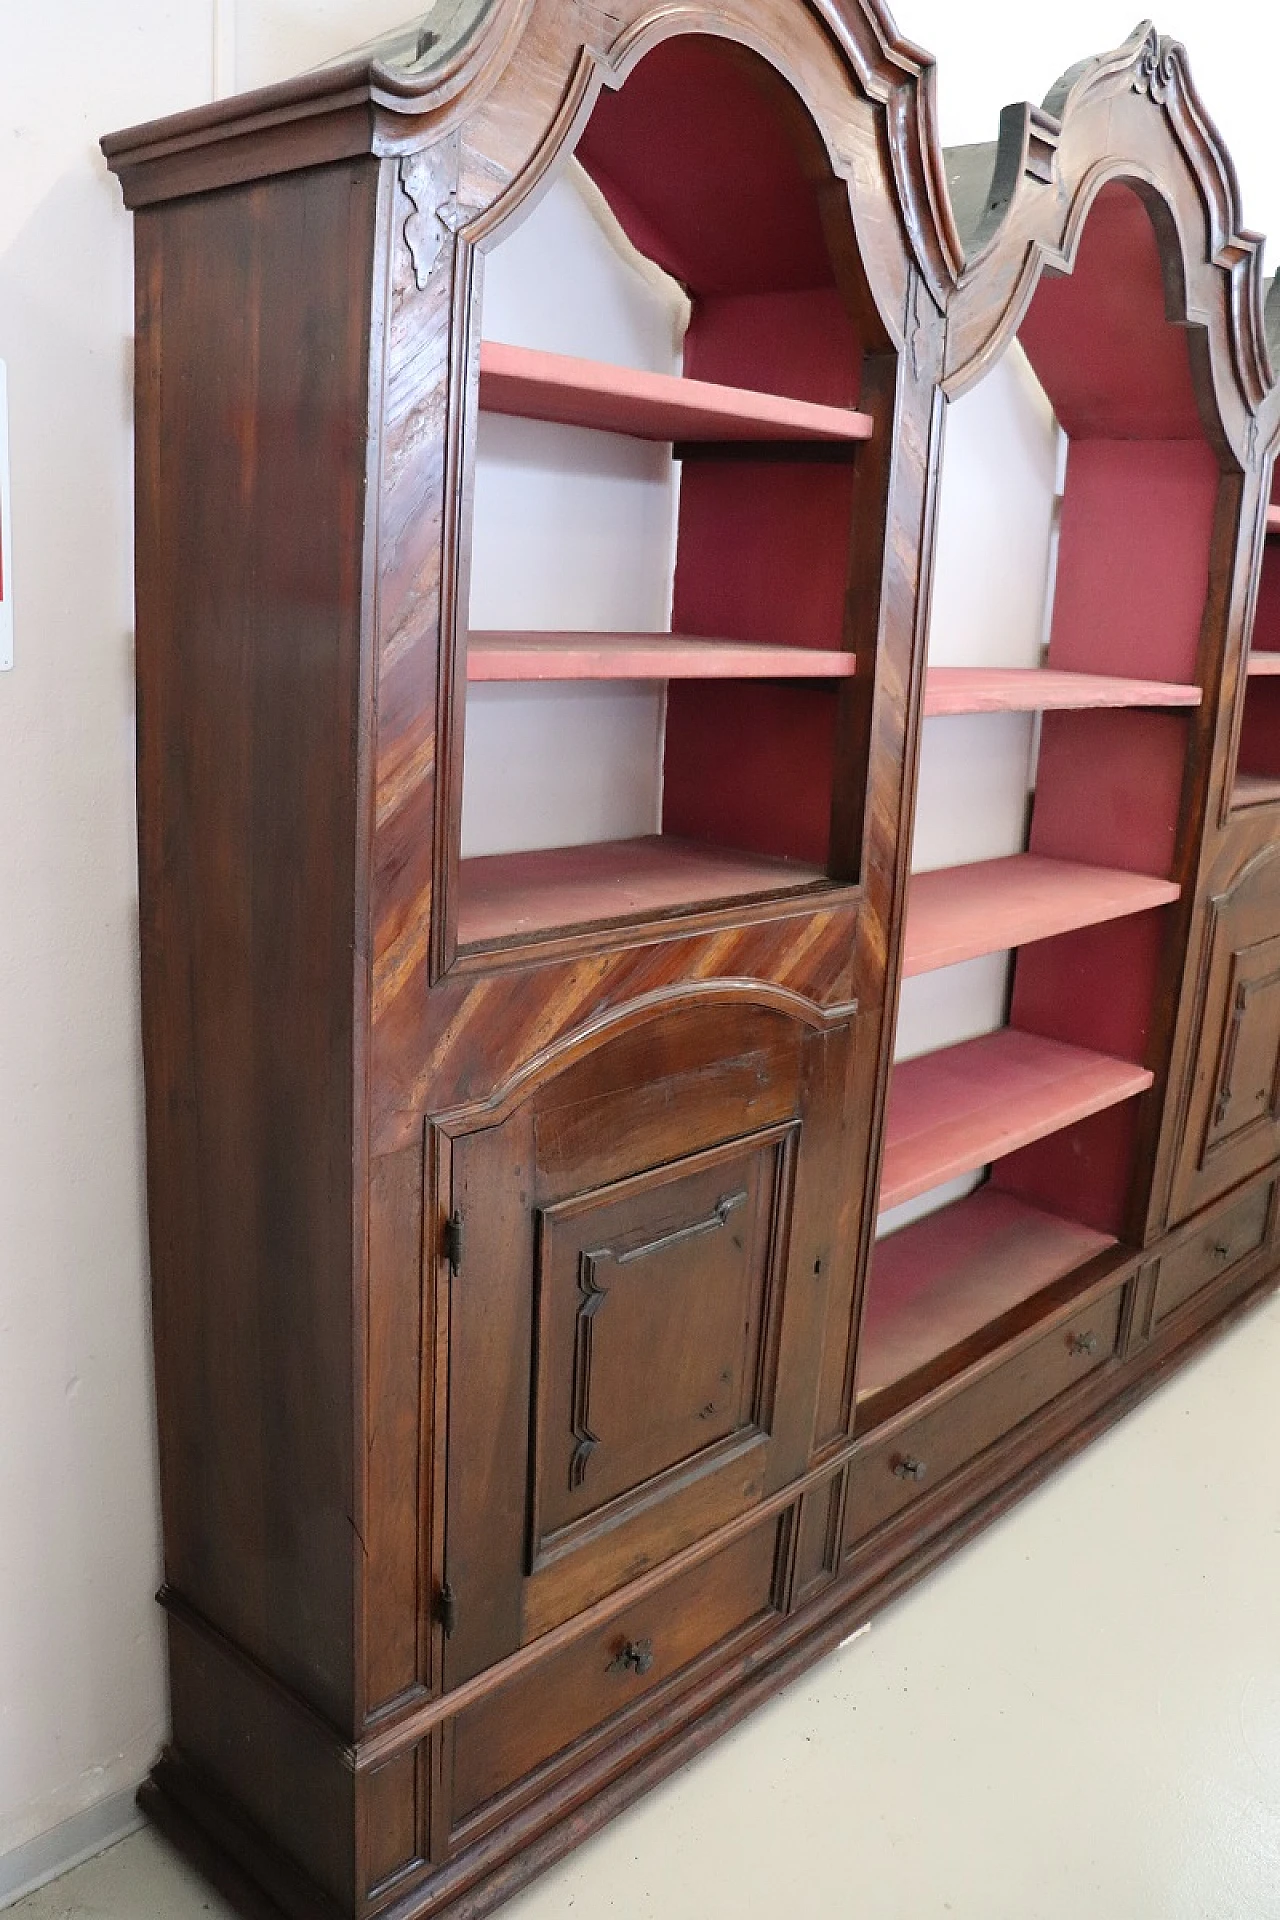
(391,96)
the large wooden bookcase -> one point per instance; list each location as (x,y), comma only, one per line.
(535,1393)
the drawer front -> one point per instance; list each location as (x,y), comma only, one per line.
(1229,1238)
(510,1733)
(889,1477)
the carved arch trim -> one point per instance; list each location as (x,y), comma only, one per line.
(1019,221)
(664,1002)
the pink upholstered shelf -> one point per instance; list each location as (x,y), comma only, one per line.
(957,913)
(937,1283)
(504,895)
(953,1111)
(644,656)
(950,690)
(1263,663)
(651,406)
(1273,519)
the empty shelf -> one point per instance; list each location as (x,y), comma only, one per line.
(1041,689)
(957,913)
(644,656)
(937,1283)
(1254,789)
(954,1111)
(1263,663)
(650,406)
(511,894)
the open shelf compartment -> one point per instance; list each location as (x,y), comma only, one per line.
(944,1282)
(1046,1106)
(705,548)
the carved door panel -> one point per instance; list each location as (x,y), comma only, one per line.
(1233,1125)
(636,1326)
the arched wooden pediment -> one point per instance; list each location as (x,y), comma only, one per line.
(1025,206)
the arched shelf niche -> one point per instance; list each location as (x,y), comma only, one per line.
(691,729)
(1059,797)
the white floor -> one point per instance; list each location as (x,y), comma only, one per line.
(1078,1719)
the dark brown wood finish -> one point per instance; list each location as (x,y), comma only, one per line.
(510,1267)
(251,477)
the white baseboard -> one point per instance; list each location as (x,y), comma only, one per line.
(27,1867)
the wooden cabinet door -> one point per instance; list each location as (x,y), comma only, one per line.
(1233,1121)
(652,1244)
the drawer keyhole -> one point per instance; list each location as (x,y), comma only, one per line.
(907,1467)
(1084,1343)
(635,1657)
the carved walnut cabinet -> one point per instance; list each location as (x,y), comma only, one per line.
(535,1393)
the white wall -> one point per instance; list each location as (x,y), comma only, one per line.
(81,1687)
(990,52)
(572,530)
(81,1700)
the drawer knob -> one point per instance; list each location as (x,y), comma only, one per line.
(1221,1251)
(1084,1343)
(907,1467)
(635,1657)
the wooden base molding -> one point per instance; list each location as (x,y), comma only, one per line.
(264,1882)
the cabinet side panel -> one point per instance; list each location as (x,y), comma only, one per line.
(252,419)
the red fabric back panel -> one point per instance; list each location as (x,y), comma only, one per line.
(799,344)
(762,555)
(1084,1172)
(1094,987)
(1266,625)
(763,551)
(1098,339)
(1108,789)
(699,155)
(750,765)
(1260,730)
(1133,558)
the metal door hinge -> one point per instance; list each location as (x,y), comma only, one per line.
(453,1241)
(447,1609)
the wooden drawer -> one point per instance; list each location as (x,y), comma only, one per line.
(1230,1237)
(888,1477)
(576,1692)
